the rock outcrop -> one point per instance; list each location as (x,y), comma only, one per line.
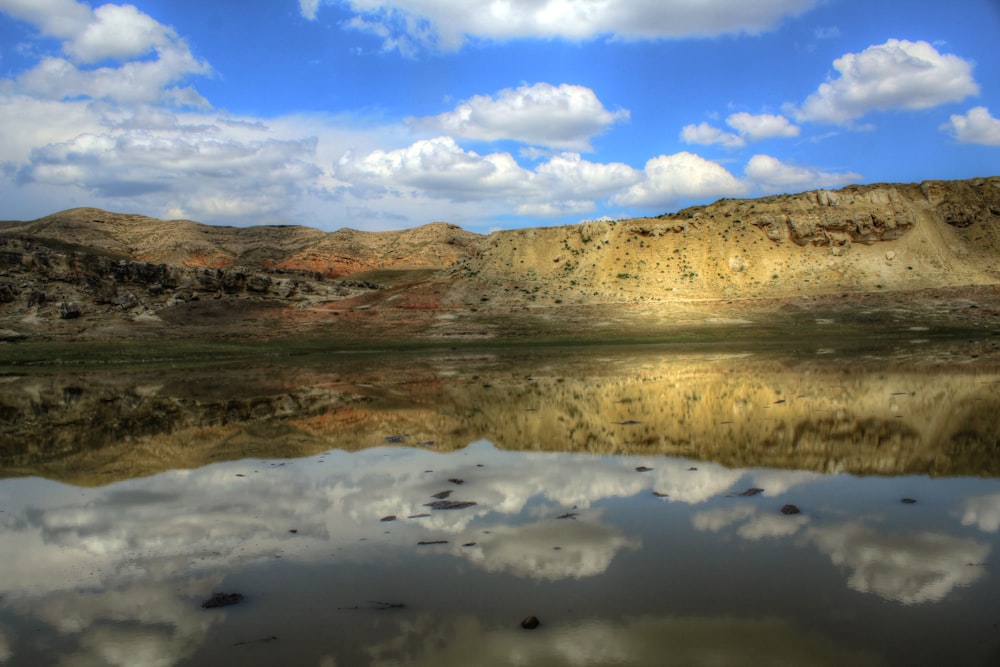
(90,267)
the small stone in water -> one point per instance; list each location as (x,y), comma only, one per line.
(790,509)
(908,501)
(221,600)
(530,623)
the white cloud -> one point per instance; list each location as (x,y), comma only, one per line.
(898,74)
(441,169)
(56,18)
(749,127)
(563,117)
(201,171)
(119,31)
(975,127)
(706,135)
(771,174)
(443,24)
(308,9)
(762,126)
(670,178)
(438,167)
(111,32)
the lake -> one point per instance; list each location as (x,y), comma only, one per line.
(647,505)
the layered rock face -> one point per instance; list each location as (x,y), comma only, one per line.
(883,238)
(860,238)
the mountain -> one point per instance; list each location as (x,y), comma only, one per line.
(899,253)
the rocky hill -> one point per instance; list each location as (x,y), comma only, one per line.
(87,273)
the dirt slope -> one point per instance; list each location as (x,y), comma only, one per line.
(859,239)
(191,244)
(928,251)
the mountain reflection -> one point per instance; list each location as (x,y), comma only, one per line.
(864,415)
(115,574)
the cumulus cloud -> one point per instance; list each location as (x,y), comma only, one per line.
(441,169)
(706,135)
(211,175)
(411,24)
(438,167)
(977,126)
(763,126)
(771,174)
(119,33)
(749,127)
(670,178)
(898,74)
(562,117)
(56,18)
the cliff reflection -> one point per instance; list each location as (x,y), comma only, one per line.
(862,416)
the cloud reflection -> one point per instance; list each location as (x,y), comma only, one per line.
(692,642)
(983,512)
(550,551)
(911,569)
(116,571)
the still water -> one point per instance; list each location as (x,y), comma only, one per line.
(648,508)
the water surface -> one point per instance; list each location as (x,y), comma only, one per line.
(631,500)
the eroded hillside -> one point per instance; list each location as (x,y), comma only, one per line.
(915,251)
(859,239)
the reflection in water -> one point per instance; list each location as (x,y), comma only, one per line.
(626,559)
(646,640)
(923,567)
(860,415)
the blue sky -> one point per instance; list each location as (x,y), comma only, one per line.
(387,114)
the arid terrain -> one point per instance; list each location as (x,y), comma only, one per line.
(872,258)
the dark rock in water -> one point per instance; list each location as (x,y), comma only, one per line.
(692,469)
(417,516)
(455,480)
(661,495)
(391,517)
(908,501)
(643,469)
(753,491)
(469,544)
(222,600)
(790,509)
(567,515)
(427,542)
(395,438)
(293,531)
(441,495)
(530,623)
(449,504)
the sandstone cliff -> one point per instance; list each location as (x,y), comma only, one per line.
(861,238)
(93,274)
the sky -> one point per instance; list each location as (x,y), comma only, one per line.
(489,114)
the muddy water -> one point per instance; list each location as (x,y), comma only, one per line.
(647,507)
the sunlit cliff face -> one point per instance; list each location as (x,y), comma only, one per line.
(823,414)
